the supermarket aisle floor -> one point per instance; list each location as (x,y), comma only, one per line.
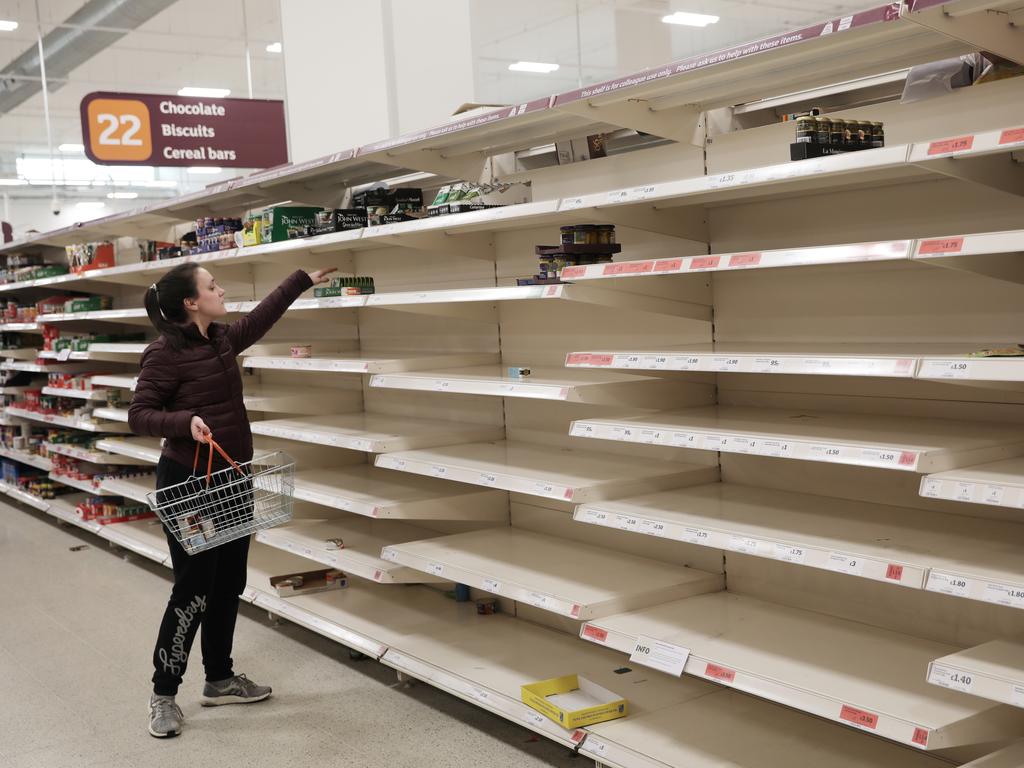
(76,634)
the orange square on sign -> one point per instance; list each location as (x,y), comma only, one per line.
(119,130)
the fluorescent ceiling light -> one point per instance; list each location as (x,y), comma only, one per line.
(196,169)
(533,66)
(204,93)
(8,26)
(690,19)
(12,182)
(90,204)
(71,148)
(122,195)
(274,48)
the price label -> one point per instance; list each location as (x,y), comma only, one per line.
(948,584)
(993,494)
(931,488)
(659,655)
(743,544)
(941,245)
(826,453)
(618,196)
(790,554)
(859,717)
(592,516)
(642,193)
(486,478)
(536,719)
(722,674)
(849,564)
(725,364)
(705,262)
(697,536)
(439,385)
(438,471)
(626,523)
(950,146)
(963,491)
(571,203)
(480,694)
(537,600)
(1011,136)
(767,365)
(738,260)
(435,568)
(1003,594)
(950,678)
(491,585)
(579,429)
(64,355)
(389,555)
(1017,696)
(772,448)
(597,747)
(652,528)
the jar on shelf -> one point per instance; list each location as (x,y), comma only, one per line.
(606,234)
(823,134)
(806,130)
(877,135)
(568,235)
(585,234)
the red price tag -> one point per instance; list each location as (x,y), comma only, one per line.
(668,265)
(628,268)
(859,717)
(575,612)
(720,673)
(568,273)
(921,737)
(894,572)
(577,736)
(595,633)
(585,358)
(908,459)
(744,259)
(942,245)
(1012,136)
(946,146)
(705,262)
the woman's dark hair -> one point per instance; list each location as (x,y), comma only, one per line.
(165,302)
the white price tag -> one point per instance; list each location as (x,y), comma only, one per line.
(771,448)
(656,654)
(597,747)
(582,430)
(626,523)
(389,555)
(652,528)
(685,440)
(743,544)
(490,585)
(848,564)
(1003,594)
(951,678)
(486,478)
(696,536)
(536,599)
(439,385)
(789,554)
(931,488)
(438,471)
(435,568)
(64,355)
(1017,696)
(826,452)
(593,517)
(993,494)
(714,443)
(767,365)
(480,694)
(618,196)
(571,203)
(946,369)
(642,193)
(948,584)
(536,719)
(963,491)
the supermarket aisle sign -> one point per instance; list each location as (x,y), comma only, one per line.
(150,129)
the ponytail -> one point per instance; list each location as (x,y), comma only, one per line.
(165,302)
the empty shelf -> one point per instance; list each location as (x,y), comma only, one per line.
(143,537)
(997,484)
(33,460)
(373,492)
(993,671)
(21,365)
(845,671)
(363,541)
(539,470)
(116,381)
(134,488)
(73,423)
(565,577)
(113,414)
(890,442)
(1011,757)
(95,457)
(25,497)
(87,486)
(146,449)
(594,387)
(365,362)
(78,394)
(374,433)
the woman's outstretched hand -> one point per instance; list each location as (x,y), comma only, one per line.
(200,432)
(320,276)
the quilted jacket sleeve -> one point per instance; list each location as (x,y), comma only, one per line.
(251,328)
(157,385)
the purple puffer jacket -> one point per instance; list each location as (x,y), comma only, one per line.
(203,379)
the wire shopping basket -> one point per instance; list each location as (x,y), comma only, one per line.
(205,512)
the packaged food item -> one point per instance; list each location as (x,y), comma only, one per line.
(302,350)
(282,222)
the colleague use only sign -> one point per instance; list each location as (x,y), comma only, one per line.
(148,129)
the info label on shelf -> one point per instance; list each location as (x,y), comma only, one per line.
(491,585)
(659,655)
(950,678)
(849,564)
(948,584)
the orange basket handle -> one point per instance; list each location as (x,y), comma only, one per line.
(209,462)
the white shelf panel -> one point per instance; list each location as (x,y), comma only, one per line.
(731,729)
(564,577)
(888,250)
(115,381)
(96,457)
(39,462)
(21,354)
(82,485)
(898,443)
(146,449)
(971,244)
(592,387)
(63,508)
(367,490)
(300,400)
(365,362)
(834,360)
(24,497)
(113,414)
(538,470)
(19,365)
(78,394)
(964,368)
(48,354)
(1011,757)
(993,671)
(129,314)
(19,327)
(119,347)
(996,484)
(374,433)
(143,537)
(72,423)
(134,488)
(364,540)
(813,663)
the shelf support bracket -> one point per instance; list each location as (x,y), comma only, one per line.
(680,124)
(469,167)
(999,172)
(985,29)
(1008,267)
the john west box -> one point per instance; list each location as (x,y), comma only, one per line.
(148,129)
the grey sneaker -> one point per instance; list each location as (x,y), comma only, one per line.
(235,690)
(165,718)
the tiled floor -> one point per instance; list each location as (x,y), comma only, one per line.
(76,635)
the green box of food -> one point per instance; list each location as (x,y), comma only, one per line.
(49,270)
(87,304)
(277,221)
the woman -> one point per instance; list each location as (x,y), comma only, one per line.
(190,388)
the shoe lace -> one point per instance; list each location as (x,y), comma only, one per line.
(245,684)
(165,708)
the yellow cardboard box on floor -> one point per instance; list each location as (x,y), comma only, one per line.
(573,701)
